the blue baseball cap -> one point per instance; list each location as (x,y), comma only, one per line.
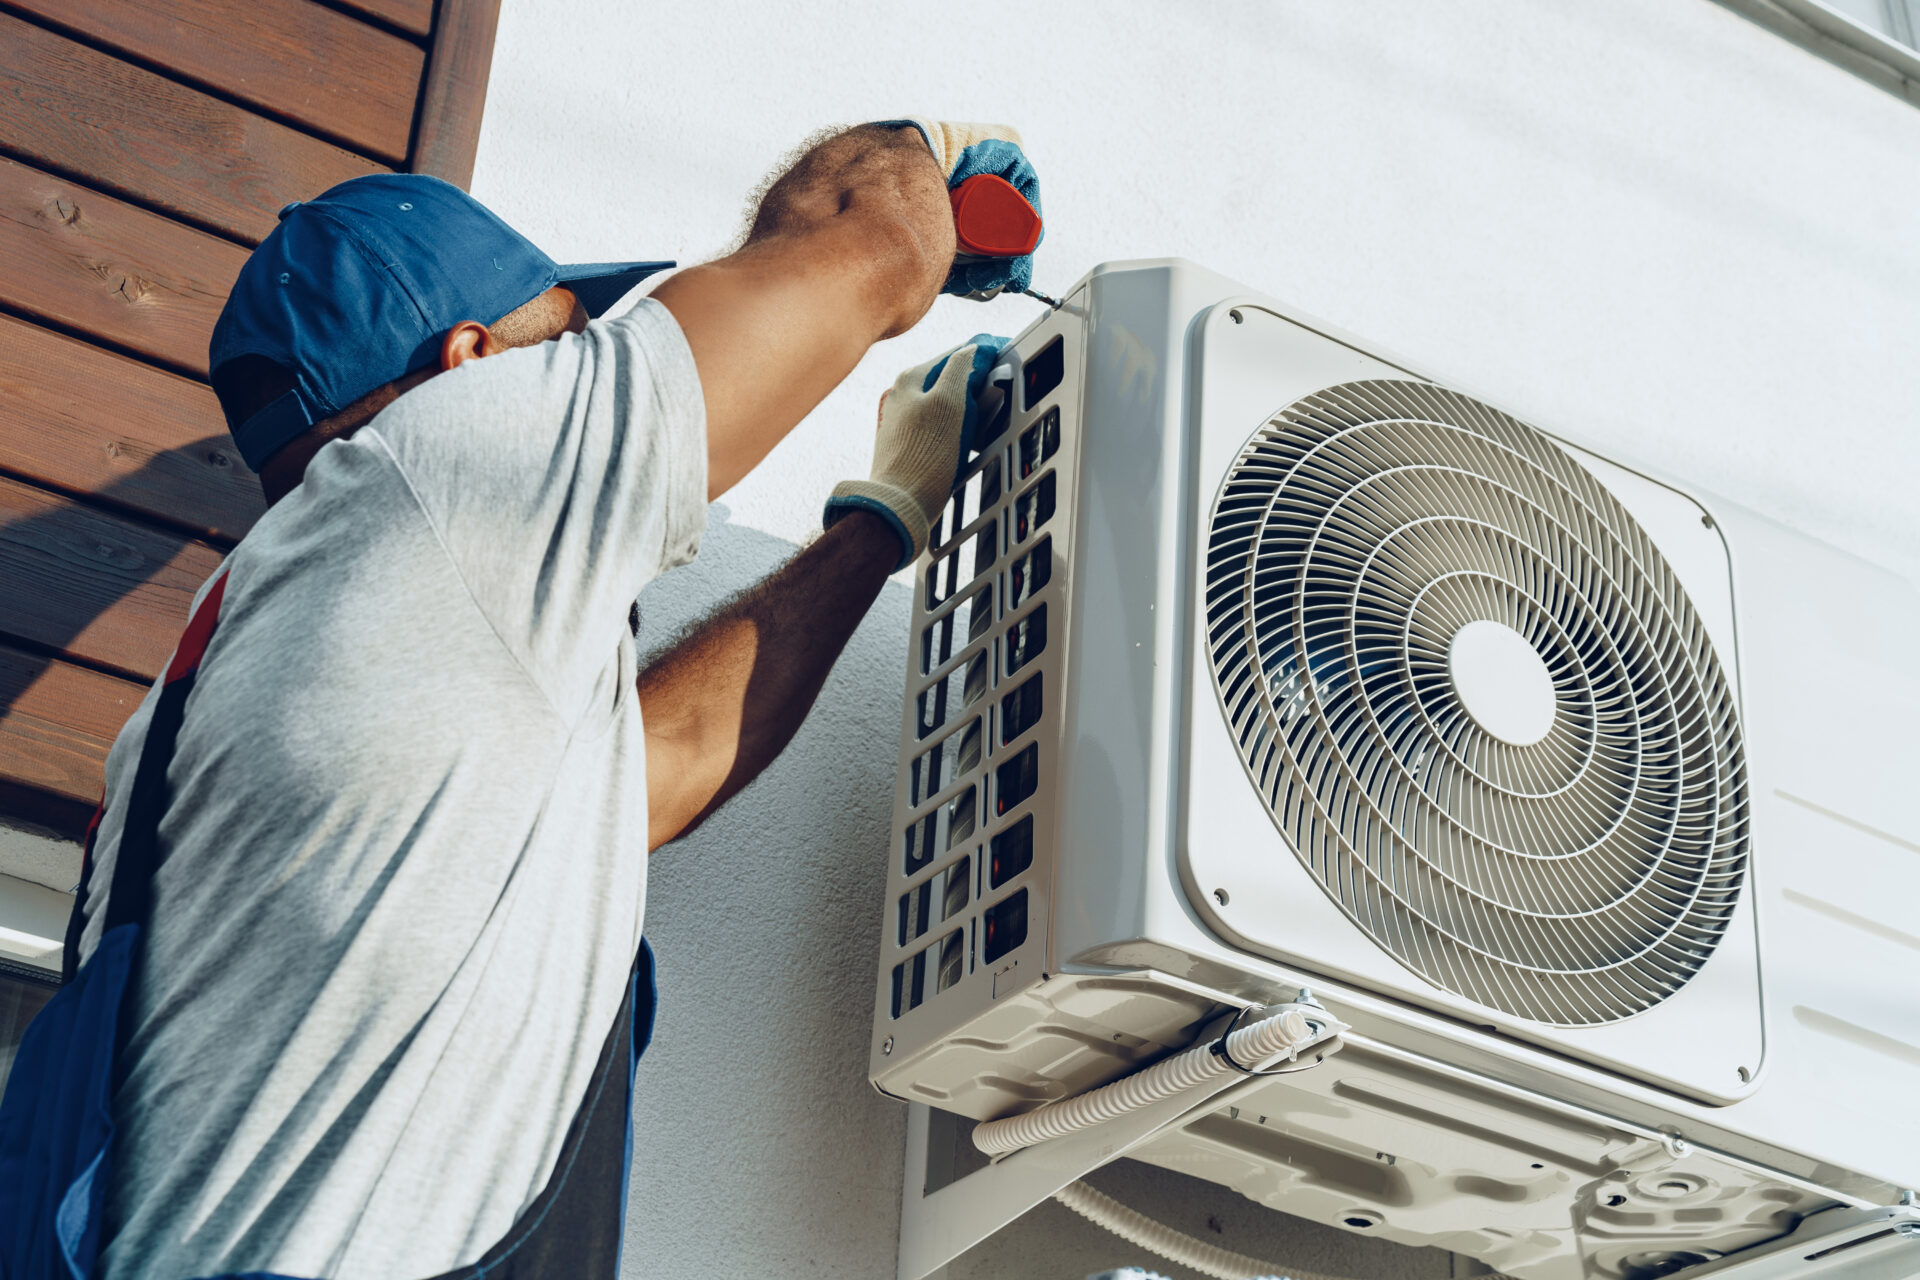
(359,285)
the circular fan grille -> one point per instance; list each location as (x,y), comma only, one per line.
(1578,879)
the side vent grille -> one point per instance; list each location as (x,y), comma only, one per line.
(979,750)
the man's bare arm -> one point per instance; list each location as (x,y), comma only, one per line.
(724,701)
(849,246)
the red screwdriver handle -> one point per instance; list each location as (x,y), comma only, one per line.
(992,219)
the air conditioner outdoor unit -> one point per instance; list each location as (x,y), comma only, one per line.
(1249,659)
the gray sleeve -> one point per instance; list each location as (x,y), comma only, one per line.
(561,479)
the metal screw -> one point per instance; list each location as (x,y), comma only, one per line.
(888,1046)
(1305,996)
(1677,1146)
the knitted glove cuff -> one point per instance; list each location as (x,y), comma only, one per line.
(895,505)
(948,139)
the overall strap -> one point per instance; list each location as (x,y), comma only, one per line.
(131,894)
(77,918)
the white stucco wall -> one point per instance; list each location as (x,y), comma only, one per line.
(1642,221)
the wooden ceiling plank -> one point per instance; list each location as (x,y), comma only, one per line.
(455,92)
(412,16)
(68,107)
(79,418)
(313,67)
(89,262)
(98,588)
(57,723)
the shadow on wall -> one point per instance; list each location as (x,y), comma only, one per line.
(63,567)
(759,1147)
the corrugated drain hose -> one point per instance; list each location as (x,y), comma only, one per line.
(1282,1032)
(1177,1246)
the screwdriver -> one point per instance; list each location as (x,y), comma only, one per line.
(991,219)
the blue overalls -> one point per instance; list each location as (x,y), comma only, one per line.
(56,1121)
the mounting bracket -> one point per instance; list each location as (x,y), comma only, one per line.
(1839,1244)
(951,1199)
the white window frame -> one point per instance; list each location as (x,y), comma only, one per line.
(1841,40)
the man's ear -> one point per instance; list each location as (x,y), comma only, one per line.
(468,340)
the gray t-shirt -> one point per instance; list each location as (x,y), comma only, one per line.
(406,850)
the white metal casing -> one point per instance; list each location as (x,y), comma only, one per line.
(1810,993)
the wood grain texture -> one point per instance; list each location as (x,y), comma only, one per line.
(318,69)
(84,420)
(57,722)
(455,92)
(414,16)
(90,262)
(96,587)
(148,139)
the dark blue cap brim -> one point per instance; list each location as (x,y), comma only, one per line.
(599,285)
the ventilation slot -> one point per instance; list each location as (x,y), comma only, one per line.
(1043,373)
(936,768)
(1020,710)
(1039,442)
(958,570)
(1012,852)
(1573,863)
(959,689)
(1015,780)
(1029,573)
(940,897)
(1033,508)
(937,643)
(1026,638)
(971,500)
(948,960)
(1006,927)
(940,830)
(996,424)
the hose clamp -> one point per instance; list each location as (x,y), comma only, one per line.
(1219,1047)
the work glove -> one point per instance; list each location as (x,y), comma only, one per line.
(964,151)
(927,423)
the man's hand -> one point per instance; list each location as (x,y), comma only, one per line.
(849,246)
(925,422)
(966,151)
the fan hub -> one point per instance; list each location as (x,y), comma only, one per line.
(1502,681)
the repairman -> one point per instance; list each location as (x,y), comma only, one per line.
(357,979)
